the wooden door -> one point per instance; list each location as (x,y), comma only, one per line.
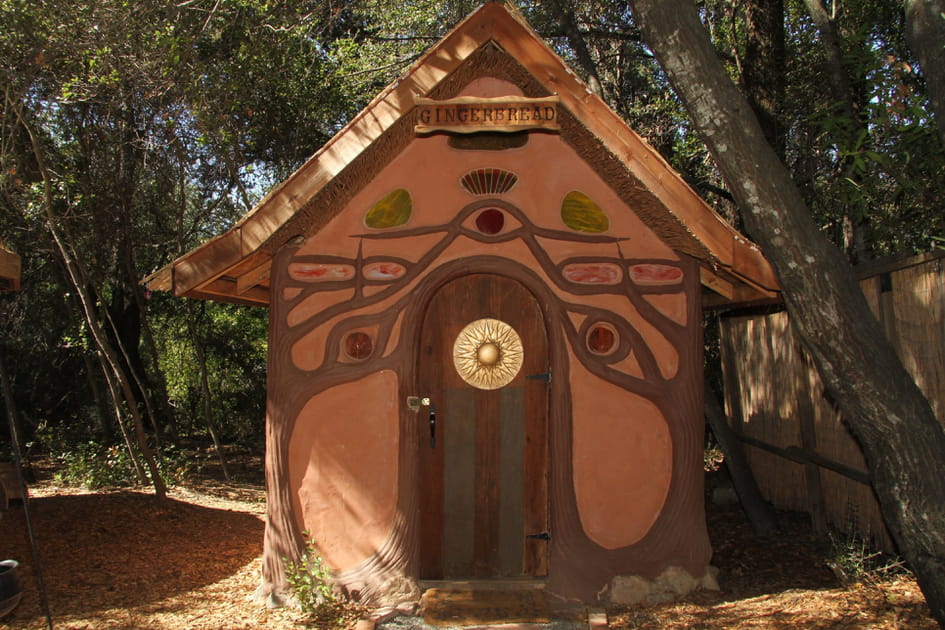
(483,484)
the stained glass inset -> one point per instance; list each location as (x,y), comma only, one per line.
(320,272)
(490,221)
(489,181)
(581,214)
(392,210)
(655,274)
(358,345)
(601,339)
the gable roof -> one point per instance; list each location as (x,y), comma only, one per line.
(234,267)
(9,270)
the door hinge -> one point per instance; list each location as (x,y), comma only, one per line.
(544,376)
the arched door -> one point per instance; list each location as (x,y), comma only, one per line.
(483,462)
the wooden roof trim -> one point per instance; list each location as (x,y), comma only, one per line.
(211,259)
(732,250)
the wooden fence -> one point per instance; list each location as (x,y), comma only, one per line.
(800,451)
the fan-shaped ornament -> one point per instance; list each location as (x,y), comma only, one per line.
(489,181)
(488,353)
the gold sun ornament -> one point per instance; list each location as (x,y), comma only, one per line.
(488,353)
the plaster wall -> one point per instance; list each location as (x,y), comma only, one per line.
(343,451)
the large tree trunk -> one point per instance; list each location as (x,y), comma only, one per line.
(925,34)
(848,105)
(763,67)
(903,443)
(77,276)
(205,392)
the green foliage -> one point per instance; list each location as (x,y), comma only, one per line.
(853,558)
(311,584)
(95,466)
(160,124)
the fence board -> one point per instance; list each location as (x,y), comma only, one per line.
(772,390)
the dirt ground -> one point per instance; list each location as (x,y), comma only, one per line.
(119,560)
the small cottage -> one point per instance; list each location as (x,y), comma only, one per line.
(485,342)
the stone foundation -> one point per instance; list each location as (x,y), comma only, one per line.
(670,585)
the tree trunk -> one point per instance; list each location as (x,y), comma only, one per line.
(164,413)
(116,405)
(903,443)
(205,389)
(77,277)
(848,108)
(925,32)
(565,16)
(758,511)
(763,67)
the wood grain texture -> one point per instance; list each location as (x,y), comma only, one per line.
(475,501)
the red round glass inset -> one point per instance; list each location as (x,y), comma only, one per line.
(601,339)
(358,345)
(490,221)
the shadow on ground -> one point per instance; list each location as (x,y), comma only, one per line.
(123,549)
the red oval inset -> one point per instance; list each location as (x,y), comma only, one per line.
(651,273)
(383,271)
(592,273)
(320,272)
(490,221)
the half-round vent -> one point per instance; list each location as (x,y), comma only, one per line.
(489,181)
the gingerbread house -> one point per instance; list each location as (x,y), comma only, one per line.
(485,344)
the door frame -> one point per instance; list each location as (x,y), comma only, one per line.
(536,552)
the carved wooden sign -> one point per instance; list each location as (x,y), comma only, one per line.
(469,114)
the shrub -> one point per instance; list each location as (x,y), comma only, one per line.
(854,559)
(95,466)
(311,584)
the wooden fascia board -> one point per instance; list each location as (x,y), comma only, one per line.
(256,275)
(207,262)
(224,290)
(724,242)
(490,22)
(214,258)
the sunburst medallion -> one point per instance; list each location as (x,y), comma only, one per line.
(488,353)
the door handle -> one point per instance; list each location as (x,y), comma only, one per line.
(432,426)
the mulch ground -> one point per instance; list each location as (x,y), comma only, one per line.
(121,560)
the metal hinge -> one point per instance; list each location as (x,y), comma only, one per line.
(544,376)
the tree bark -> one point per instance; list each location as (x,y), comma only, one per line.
(205,389)
(759,512)
(565,16)
(848,110)
(763,67)
(76,275)
(903,443)
(925,32)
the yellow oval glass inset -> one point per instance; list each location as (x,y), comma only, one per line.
(581,214)
(392,210)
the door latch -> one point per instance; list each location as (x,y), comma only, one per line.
(414,403)
(541,536)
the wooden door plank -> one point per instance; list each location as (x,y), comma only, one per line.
(511,480)
(459,482)
(487,483)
